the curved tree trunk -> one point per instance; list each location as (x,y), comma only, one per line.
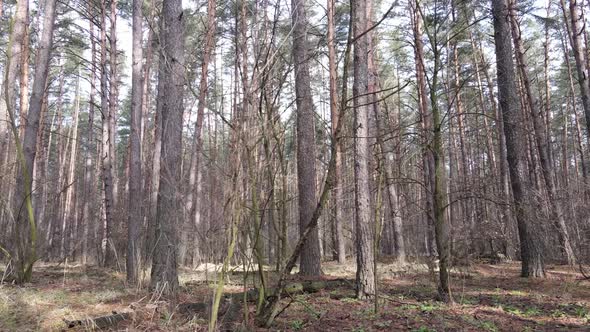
(26,229)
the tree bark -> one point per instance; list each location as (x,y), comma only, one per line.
(365,276)
(164,277)
(532,258)
(426,127)
(113,104)
(337,193)
(26,256)
(107,158)
(195,186)
(556,210)
(577,34)
(309,264)
(89,168)
(134,214)
(70,203)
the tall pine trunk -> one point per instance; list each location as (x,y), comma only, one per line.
(306,172)
(26,235)
(556,210)
(365,274)
(530,250)
(337,193)
(134,213)
(164,275)
(107,158)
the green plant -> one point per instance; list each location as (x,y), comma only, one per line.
(165,316)
(489,326)
(558,314)
(512,310)
(423,329)
(297,324)
(428,307)
(532,311)
(349,300)
(581,312)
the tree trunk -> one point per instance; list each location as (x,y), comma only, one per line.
(309,264)
(89,168)
(337,194)
(195,186)
(392,190)
(556,210)
(24,75)
(572,91)
(426,129)
(365,276)
(532,258)
(164,277)
(577,34)
(113,105)
(134,213)
(26,256)
(107,158)
(70,203)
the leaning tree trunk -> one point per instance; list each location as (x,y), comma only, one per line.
(391,187)
(194,196)
(26,255)
(20,195)
(578,32)
(556,209)
(532,258)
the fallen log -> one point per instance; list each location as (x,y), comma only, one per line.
(99,322)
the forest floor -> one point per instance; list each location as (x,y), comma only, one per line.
(487,298)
